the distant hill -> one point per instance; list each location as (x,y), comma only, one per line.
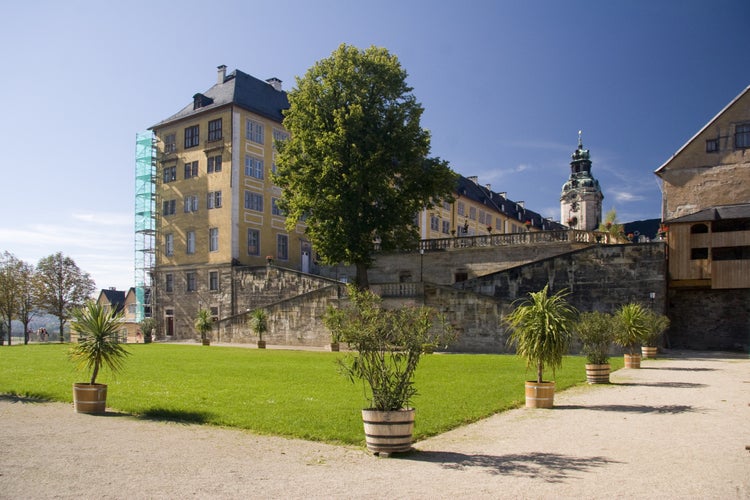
(648,228)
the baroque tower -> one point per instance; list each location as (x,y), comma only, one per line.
(581,198)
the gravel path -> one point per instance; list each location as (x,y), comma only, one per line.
(677,428)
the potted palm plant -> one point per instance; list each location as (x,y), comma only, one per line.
(259,324)
(657,325)
(594,330)
(98,347)
(631,329)
(204,324)
(541,328)
(386,345)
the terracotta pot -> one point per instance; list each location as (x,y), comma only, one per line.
(649,352)
(540,395)
(388,431)
(597,374)
(89,398)
(632,360)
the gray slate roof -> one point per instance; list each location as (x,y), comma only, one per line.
(242,90)
(739,211)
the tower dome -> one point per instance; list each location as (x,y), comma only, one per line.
(581,198)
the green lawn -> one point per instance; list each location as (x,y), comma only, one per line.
(289,393)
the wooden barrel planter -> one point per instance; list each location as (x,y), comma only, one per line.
(649,352)
(261,344)
(597,374)
(540,395)
(388,431)
(89,398)
(632,360)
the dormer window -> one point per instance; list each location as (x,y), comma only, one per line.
(199,101)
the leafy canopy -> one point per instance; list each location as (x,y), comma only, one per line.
(355,168)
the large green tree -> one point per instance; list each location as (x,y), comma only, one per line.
(61,286)
(10,290)
(355,169)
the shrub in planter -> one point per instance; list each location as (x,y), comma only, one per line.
(259,324)
(540,332)
(595,331)
(386,348)
(204,324)
(631,330)
(657,325)
(98,347)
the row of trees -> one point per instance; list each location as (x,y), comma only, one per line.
(54,286)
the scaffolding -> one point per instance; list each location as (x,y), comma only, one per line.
(145,222)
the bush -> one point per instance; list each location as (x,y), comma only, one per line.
(595,331)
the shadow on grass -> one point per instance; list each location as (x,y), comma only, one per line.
(193,417)
(667,409)
(550,467)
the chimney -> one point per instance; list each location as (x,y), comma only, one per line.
(521,204)
(222,73)
(275,83)
(504,194)
(474,179)
(488,186)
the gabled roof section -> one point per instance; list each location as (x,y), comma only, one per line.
(116,298)
(739,211)
(707,125)
(495,202)
(240,89)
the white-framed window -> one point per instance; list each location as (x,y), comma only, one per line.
(253,242)
(191,169)
(169,244)
(434,223)
(190,281)
(213,239)
(446,227)
(473,213)
(169,282)
(254,131)
(213,281)
(253,201)
(460,208)
(170,143)
(213,200)
(214,164)
(192,136)
(170,174)
(282,247)
(280,135)
(214,130)
(190,243)
(275,210)
(168,207)
(191,203)
(253,167)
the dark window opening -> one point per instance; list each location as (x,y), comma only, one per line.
(712,146)
(731,253)
(698,253)
(460,276)
(726,225)
(698,229)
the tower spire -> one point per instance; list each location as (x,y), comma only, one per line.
(580,141)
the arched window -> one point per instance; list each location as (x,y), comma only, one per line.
(698,229)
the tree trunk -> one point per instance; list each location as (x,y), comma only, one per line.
(362,281)
(539,373)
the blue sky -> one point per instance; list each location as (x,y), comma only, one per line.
(506,86)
